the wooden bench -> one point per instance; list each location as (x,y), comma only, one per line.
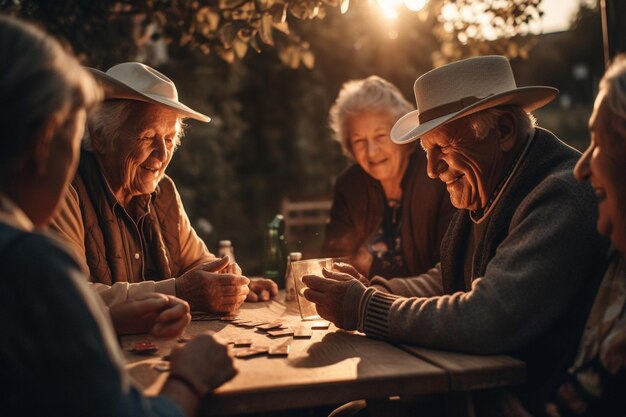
(305,222)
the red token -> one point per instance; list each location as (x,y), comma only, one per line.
(144,347)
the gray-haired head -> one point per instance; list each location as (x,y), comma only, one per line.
(613,84)
(38,81)
(371,94)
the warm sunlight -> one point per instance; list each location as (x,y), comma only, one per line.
(415,5)
(390,7)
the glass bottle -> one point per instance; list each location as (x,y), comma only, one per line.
(275,251)
(290,284)
(226,248)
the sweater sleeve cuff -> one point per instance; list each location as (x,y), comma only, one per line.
(375,313)
(167,286)
(352,305)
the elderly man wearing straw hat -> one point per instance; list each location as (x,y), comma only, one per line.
(123,216)
(520,261)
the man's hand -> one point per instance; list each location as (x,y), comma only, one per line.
(160,315)
(328,294)
(352,271)
(215,287)
(262,289)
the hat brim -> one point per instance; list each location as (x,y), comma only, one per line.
(408,128)
(114,89)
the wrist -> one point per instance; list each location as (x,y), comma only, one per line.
(188,384)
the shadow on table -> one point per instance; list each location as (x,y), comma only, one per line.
(333,348)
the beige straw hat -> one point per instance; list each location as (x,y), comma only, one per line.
(464,87)
(136,81)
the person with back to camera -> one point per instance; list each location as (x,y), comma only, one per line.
(386,217)
(60,354)
(521,259)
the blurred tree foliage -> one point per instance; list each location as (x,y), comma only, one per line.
(230,28)
(269,136)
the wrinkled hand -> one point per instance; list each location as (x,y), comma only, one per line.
(328,294)
(161,315)
(215,287)
(352,271)
(205,361)
(262,289)
(613,354)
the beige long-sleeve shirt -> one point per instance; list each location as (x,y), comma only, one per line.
(69,226)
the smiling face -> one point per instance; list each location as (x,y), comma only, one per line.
(603,165)
(368,133)
(471,168)
(136,162)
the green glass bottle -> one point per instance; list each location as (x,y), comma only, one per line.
(275,251)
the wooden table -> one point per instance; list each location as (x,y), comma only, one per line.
(332,367)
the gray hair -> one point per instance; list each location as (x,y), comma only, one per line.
(614,84)
(39,82)
(372,94)
(111,119)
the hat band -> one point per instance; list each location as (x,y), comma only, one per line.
(448,108)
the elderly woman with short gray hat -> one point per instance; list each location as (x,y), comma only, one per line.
(124,218)
(521,259)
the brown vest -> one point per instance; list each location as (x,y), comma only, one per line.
(105,232)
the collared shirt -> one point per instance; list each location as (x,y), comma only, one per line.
(69,225)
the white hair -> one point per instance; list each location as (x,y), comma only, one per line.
(372,94)
(613,83)
(109,120)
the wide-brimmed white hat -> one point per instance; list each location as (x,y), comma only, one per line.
(464,87)
(137,81)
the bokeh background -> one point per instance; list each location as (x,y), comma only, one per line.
(267,71)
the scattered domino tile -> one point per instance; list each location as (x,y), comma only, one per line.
(144,348)
(319,324)
(280,332)
(241,342)
(251,351)
(302,332)
(256,323)
(249,324)
(273,325)
(281,350)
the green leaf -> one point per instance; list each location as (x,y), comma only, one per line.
(227,55)
(283,27)
(245,12)
(240,48)
(279,13)
(227,35)
(213,19)
(308,59)
(254,45)
(265,32)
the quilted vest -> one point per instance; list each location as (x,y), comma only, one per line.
(104,233)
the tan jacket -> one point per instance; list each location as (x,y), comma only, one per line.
(114,249)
